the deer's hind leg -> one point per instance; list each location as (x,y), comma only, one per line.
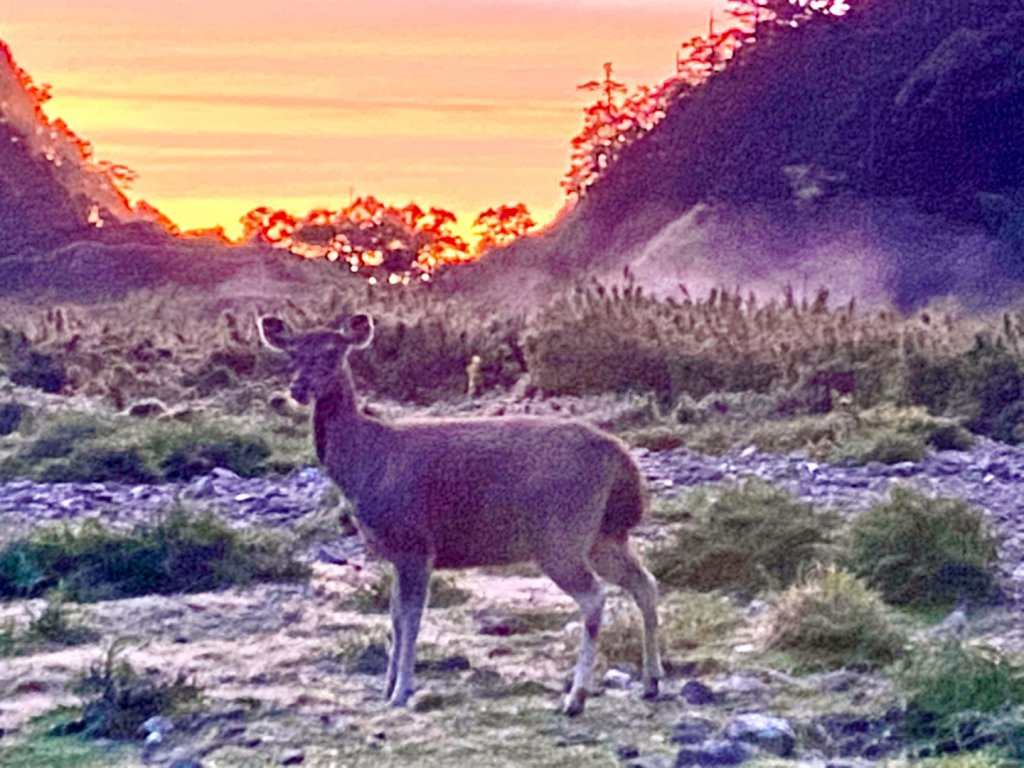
(573,576)
(615,562)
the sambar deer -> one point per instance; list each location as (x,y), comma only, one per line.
(466,492)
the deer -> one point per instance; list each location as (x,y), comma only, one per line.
(456,493)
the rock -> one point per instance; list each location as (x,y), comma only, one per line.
(187,762)
(771,734)
(146,409)
(627,751)
(617,679)
(743,685)
(648,761)
(157,724)
(697,694)
(498,623)
(839,681)
(713,753)
(692,731)
(293,757)
(456,663)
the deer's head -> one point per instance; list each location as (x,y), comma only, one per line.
(317,355)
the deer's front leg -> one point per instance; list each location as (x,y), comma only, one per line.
(408,598)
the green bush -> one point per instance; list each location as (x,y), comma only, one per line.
(831,619)
(123,699)
(61,439)
(182,553)
(950,684)
(949,437)
(243,455)
(28,367)
(11,416)
(82,449)
(101,465)
(753,537)
(924,552)
(886,447)
(984,387)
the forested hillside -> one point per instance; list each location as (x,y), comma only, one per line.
(888,137)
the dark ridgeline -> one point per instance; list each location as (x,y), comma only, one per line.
(459,493)
(908,115)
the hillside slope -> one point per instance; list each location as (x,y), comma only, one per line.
(879,153)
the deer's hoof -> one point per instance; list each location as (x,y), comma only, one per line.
(574,705)
(399,698)
(651,688)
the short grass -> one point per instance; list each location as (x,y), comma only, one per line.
(183,552)
(115,448)
(42,746)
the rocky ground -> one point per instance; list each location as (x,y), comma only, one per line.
(291,676)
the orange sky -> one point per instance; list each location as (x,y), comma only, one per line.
(223,105)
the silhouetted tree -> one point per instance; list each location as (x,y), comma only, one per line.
(500,226)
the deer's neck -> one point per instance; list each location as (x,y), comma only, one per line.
(347,440)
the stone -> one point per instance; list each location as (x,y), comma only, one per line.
(627,751)
(771,734)
(697,694)
(692,731)
(742,684)
(617,679)
(713,753)
(498,623)
(648,761)
(455,663)
(293,757)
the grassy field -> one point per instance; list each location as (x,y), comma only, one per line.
(168,386)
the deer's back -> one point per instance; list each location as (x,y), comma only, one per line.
(476,492)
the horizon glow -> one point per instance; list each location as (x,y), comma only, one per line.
(222,106)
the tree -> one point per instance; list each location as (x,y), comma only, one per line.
(379,241)
(609,124)
(500,226)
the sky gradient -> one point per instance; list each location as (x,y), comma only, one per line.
(223,105)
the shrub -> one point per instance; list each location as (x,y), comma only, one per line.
(831,619)
(28,367)
(924,552)
(885,447)
(243,455)
(11,415)
(182,553)
(123,699)
(753,537)
(984,387)
(61,439)
(101,465)
(950,437)
(55,625)
(950,685)
(41,371)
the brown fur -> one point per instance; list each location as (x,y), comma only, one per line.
(458,493)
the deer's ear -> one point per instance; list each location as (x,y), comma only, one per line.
(275,333)
(360,330)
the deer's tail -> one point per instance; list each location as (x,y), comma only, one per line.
(627,500)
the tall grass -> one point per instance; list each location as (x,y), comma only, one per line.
(591,339)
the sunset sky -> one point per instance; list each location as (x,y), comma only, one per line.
(223,105)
